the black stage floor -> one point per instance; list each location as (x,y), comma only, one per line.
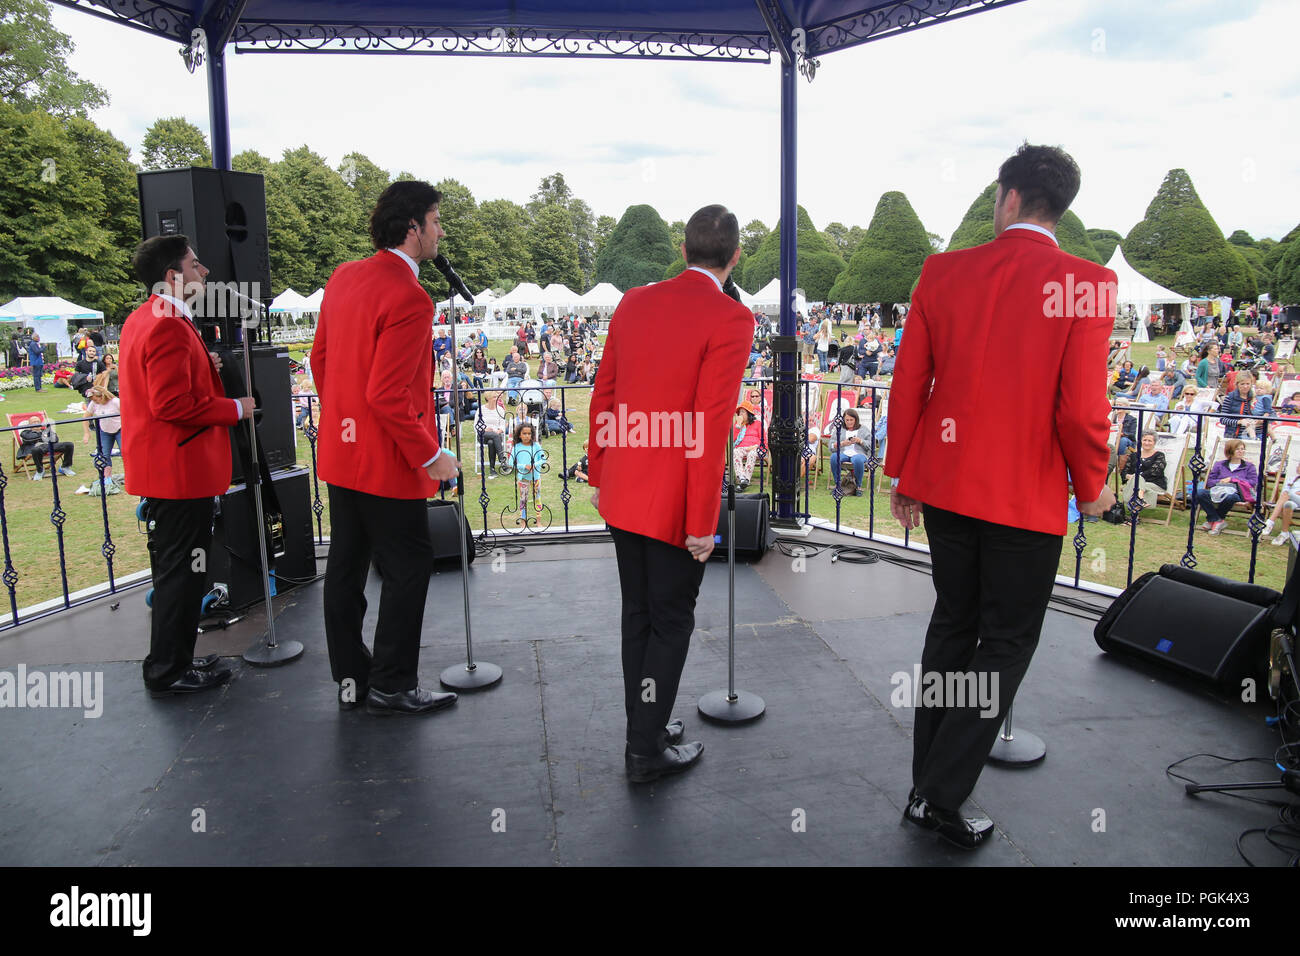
(530,772)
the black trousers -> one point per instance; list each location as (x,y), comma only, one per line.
(992,585)
(395,532)
(659,584)
(181,527)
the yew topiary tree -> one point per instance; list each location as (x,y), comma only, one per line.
(1179,245)
(1074,238)
(1286,281)
(976,227)
(638,251)
(818,263)
(888,261)
(1105,241)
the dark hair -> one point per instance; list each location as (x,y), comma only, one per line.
(155,257)
(519,431)
(1046,177)
(398,205)
(712,235)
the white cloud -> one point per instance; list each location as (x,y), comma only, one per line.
(1210,87)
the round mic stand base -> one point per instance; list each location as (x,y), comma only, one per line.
(470,676)
(1017,749)
(724,708)
(263,654)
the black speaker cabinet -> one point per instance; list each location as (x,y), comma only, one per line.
(442,532)
(751,528)
(273,393)
(224,215)
(233,559)
(1199,624)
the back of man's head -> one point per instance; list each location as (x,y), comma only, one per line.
(712,237)
(404,202)
(1046,177)
(158,255)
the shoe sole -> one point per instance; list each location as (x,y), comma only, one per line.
(156,694)
(666,772)
(937,829)
(394,712)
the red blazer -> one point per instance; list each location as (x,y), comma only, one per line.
(372,364)
(667,486)
(1012,336)
(170,390)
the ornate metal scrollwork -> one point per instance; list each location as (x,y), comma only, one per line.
(890,19)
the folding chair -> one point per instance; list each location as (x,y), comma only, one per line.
(15,420)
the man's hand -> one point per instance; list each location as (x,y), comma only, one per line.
(700,548)
(216,360)
(1100,506)
(245,405)
(444,468)
(906,510)
(595,498)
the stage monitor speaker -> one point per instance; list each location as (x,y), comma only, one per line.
(442,532)
(753,537)
(234,562)
(1199,624)
(274,397)
(224,215)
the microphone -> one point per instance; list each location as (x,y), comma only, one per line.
(731,289)
(457,284)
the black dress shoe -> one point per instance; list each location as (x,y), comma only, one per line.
(407,702)
(675,729)
(965,832)
(204,662)
(191,682)
(673,759)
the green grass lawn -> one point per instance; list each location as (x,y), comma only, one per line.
(34,552)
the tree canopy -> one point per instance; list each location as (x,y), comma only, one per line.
(1179,245)
(889,259)
(173,143)
(638,250)
(976,227)
(1105,241)
(817,262)
(34,73)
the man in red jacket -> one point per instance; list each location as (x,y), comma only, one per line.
(175,441)
(655,461)
(998,395)
(378,452)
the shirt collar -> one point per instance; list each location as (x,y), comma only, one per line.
(1032,227)
(180,306)
(415,266)
(707,273)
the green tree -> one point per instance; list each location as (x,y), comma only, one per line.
(817,262)
(551,191)
(752,236)
(584,234)
(107,160)
(1179,245)
(677,234)
(1287,281)
(59,224)
(1074,238)
(604,229)
(286,227)
(367,182)
(936,241)
(1273,255)
(553,249)
(638,251)
(329,208)
(1105,241)
(173,143)
(34,72)
(506,226)
(1242,238)
(467,244)
(976,227)
(888,262)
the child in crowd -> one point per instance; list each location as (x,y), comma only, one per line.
(555,422)
(1161,358)
(578,472)
(527,459)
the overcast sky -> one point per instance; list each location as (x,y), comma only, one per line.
(1131,88)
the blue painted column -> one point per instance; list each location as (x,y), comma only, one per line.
(786,408)
(218,109)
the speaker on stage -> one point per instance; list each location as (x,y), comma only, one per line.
(1199,624)
(274,397)
(442,532)
(233,560)
(753,537)
(224,215)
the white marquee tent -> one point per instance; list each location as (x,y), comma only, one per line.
(48,317)
(313,301)
(768,298)
(604,295)
(526,295)
(1137,290)
(289,302)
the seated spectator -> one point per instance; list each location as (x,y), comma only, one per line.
(1189,403)
(1134,391)
(1146,472)
(849,445)
(571,369)
(555,422)
(496,376)
(748,435)
(1124,377)
(304,403)
(1175,378)
(468,406)
(887,358)
(1240,401)
(1286,505)
(548,370)
(1231,481)
(479,366)
(36,439)
(810,450)
(516,371)
(492,414)
(578,472)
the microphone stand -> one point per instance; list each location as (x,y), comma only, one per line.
(471,675)
(731,706)
(267,652)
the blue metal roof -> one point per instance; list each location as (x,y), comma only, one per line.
(660,29)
